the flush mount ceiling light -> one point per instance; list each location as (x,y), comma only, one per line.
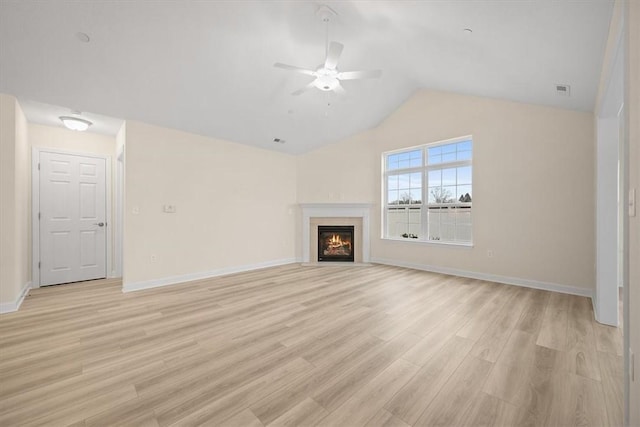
(75,123)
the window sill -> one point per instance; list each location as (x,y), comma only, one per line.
(429,242)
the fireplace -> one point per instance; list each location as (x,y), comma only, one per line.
(335,243)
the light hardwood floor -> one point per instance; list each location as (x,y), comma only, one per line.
(330,346)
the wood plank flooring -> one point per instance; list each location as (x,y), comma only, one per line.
(302,346)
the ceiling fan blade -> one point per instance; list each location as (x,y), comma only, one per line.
(354,75)
(335,50)
(293,68)
(304,89)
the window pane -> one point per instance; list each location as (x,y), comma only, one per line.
(434,224)
(414,216)
(448,194)
(404,198)
(435,178)
(449,176)
(464,155)
(404,222)
(435,151)
(392,161)
(416,180)
(462,191)
(414,223)
(450,157)
(396,222)
(392,197)
(464,175)
(464,146)
(433,194)
(448,148)
(392,182)
(407,159)
(416,196)
(441,194)
(404,181)
(463,224)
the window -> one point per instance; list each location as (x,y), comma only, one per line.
(428,192)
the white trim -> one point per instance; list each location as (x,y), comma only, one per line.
(336,210)
(119,208)
(35,207)
(10,307)
(35,222)
(430,242)
(173,280)
(527,283)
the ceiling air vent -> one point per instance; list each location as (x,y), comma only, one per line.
(563,90)
(279,141)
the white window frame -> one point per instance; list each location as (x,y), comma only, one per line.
(424,205)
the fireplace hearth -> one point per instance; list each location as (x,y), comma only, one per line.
(335,243)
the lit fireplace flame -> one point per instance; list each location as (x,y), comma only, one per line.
(335,240)
(336,246)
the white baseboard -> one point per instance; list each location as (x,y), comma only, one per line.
(527,283)
(10,307)
(173,280)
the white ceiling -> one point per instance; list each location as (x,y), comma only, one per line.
(206,67)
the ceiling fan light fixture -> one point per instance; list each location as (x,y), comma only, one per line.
(75,123)
(326,83)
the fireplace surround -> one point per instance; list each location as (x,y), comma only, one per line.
(353,214)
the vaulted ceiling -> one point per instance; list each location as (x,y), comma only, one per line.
(206,67)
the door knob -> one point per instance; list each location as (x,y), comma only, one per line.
(99,224)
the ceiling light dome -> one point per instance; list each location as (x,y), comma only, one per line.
(326,83)
(75,123)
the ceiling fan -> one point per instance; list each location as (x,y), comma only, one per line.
(327,76)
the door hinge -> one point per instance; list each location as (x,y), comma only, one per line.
(38,264)
(38,215)
(38,166)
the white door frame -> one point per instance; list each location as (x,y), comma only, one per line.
(35,208)
(119,213)
(609,169)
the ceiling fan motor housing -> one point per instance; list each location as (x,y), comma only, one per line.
(326,79)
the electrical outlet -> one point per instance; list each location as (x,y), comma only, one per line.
(153,258)
(169,208)
(490,253)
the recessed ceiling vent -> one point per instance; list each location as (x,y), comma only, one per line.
(563,90)
(279,141)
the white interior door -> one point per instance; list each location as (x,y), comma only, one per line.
(72,218)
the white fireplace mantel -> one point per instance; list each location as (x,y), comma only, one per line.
(335,210)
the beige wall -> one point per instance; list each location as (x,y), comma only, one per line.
(235,205)
(632,110)
(14,199)
(533,185)
(68,140)
(59,138)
